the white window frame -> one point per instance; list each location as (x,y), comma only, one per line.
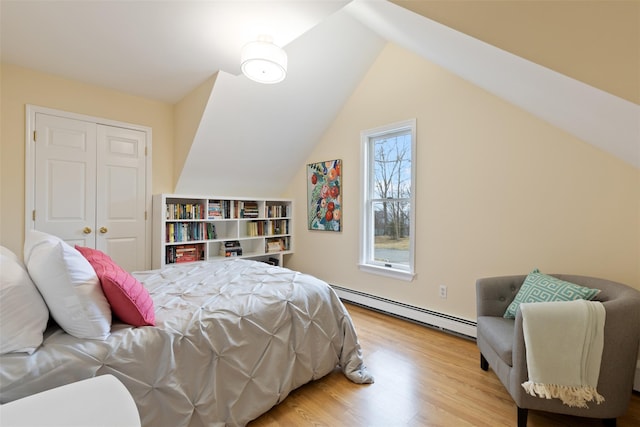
(367,262)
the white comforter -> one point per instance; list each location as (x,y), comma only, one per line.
(232,339)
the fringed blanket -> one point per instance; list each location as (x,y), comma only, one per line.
(564,342)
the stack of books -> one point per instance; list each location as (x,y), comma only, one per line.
(185,253)
(249,210)
(231,248)
(214,210)
(275,245)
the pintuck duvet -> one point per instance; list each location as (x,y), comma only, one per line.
(232,339)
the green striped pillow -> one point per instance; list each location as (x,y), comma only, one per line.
(538,287)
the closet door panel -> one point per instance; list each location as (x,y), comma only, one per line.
(121,195)
(65,170)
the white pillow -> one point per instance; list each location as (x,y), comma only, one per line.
(8,253)
(69,285)
(23,314)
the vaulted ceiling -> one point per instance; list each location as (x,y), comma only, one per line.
(595,42)
(582,59)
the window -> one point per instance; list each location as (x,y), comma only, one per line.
(388,208)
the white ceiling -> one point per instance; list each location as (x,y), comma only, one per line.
(164,49)
(158,49)
(273,128)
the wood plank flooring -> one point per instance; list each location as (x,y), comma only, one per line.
(424,377)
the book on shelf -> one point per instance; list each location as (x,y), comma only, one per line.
(184,253)
(247,209)
(275,245)
(279,226)
(189,231)
(211,231)
(226,209)
(256,228)
(276,211)
(184,211)
(214,209)
(187,254)
(231,248)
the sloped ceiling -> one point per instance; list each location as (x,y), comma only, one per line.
(595,42)
(344,47)
(253,137)
(249,135)
(593,115)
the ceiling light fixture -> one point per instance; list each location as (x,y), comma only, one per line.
(264,62)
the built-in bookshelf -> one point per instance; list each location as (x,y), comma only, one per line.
(198,228)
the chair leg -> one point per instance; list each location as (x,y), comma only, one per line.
(522,417)
(484,365)
(609,422)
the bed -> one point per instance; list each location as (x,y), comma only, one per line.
(231,340)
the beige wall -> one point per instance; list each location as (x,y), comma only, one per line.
(20,86)
(498,192)
(187,115)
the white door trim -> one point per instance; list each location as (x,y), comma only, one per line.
(30,122)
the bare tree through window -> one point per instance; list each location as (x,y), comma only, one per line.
(388,209)
(391,198)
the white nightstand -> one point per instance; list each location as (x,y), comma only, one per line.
(96,402)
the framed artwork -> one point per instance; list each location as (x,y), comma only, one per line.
(324,195)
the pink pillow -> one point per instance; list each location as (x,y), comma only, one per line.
(129,299)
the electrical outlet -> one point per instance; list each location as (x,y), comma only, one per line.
(443,291)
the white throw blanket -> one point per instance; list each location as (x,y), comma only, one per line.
(564,342)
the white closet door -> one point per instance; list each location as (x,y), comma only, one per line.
(65,176)
(90,186)
(120,189)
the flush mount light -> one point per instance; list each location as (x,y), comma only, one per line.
(263,61)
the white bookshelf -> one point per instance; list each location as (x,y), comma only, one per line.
(198,228)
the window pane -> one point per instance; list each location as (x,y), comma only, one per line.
(392,166)
(391,232)
(386,239)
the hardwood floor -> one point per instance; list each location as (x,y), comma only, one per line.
(424,377)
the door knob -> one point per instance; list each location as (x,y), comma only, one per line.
(86,230)
(103,230)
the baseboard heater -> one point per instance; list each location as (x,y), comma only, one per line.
(444,322)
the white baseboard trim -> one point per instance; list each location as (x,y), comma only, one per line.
(426,317)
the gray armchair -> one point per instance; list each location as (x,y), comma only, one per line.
(501,344)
